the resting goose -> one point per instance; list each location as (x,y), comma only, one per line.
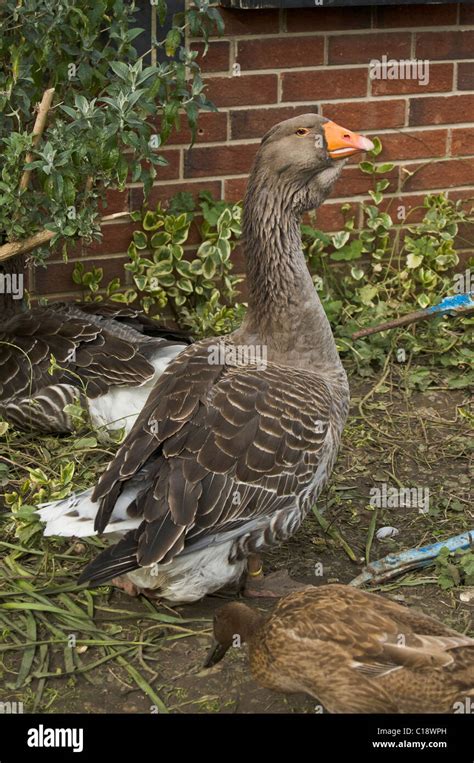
(109,358)
(240,434)
(353,651)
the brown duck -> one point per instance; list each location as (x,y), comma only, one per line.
(353,651)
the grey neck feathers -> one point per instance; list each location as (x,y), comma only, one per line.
(285,312)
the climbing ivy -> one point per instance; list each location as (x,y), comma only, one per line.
(199,291)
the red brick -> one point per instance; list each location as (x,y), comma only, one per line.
(413,145)
(440,79)
(212,126)
(436,46)
(238,259)
(58,276)
(254,123)
(462,143)
(415,16)
(466,14)
(240,22)
(464,240)
(329,217)
(354,182)
(221,160)
(162,193)
(360,49)
(466,76)
(368,115)
(168,171)
(116,201)
(234,189)
(115,238)
(466,195)
(74,250)
(464,259)
(413,213)
(245,90)
(194,236)
(217,57)
(447,174)
(280,52)
(330,83)
(327,19)
(243,292)
(441,110)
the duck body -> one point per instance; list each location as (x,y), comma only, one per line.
(354,652)
(229,453)
(109,358)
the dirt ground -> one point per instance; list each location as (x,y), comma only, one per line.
(404,438)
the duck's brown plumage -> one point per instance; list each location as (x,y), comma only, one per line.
(355,652)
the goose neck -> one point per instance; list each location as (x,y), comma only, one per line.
(284,310)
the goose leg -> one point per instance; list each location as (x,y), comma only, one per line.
(125,585)
(272,586)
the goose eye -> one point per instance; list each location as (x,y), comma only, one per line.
(302,131)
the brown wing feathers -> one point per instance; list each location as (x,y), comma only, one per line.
(97,346)
(231,444)
(372,629)
(100,358)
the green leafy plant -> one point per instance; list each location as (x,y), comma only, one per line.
(389,267)
(199,291)
(454,569)
(111,112)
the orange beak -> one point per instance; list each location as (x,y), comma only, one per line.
(342,142)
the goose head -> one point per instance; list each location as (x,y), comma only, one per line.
(301,158)
(234,625)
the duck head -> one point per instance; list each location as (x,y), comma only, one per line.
(302,158)
(234,625)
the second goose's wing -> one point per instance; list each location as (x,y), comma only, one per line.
(94,352)
(228,448)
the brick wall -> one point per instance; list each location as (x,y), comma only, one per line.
(302,60)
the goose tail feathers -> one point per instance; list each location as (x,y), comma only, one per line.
(74,516)
(112,562)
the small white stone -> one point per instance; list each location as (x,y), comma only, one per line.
(386,532)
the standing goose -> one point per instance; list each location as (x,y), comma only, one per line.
(353,651)
(240,434)
(109,359)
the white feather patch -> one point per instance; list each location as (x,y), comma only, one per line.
(74,516)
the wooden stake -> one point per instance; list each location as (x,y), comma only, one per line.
(405,320)
(38,130)
(39,239)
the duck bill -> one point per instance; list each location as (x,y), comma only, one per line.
(215,654)
(342,142)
